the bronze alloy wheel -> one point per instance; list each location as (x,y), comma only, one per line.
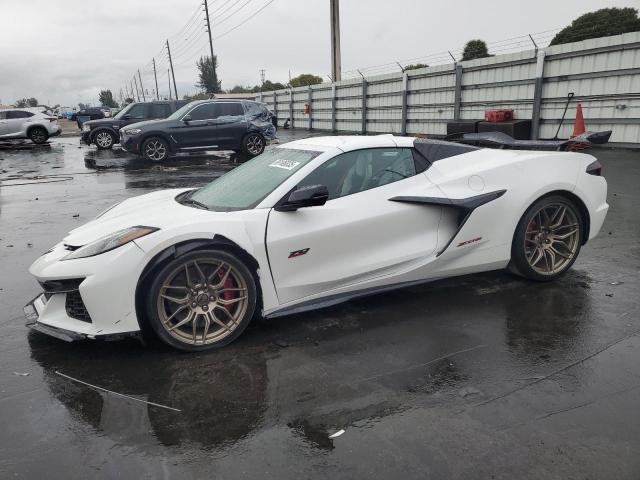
(201,300)
(548,239)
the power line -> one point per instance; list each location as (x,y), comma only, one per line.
(245,20)
(215,24)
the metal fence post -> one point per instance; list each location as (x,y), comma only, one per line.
(310,100)
(333,107)
(290,108)
(364,107)
(457,99)
(403,121)
(537,96)
(275,103)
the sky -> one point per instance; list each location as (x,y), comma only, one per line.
(66,51)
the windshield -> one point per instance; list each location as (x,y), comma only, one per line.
(180,112)
(124,111)
(247,185)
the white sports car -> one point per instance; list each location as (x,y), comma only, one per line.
(312,223)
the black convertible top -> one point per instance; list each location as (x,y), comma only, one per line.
(434,150)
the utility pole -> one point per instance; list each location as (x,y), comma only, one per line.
(213,65)
(155,75)
(169,79)
(173,75)
(138,94)
(262,76)
(144,99)
(336,64)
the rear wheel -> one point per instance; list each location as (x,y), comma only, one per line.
(548,239)
(202,300)
(155,149)
(253,144)
(104,140)
(38,135)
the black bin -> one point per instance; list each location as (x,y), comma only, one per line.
(462,126)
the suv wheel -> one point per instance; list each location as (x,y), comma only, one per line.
(155,149)
(38,135)
(253,144)
(104,140)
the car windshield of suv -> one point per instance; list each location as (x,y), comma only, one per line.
(247,185)
(180,112)
(124,111)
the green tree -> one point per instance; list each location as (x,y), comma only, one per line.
(106,99)
(415,66)
(208,78)
(601,23)
(475,49)
(27,102)
(240,89)
(305,79)
(268,86)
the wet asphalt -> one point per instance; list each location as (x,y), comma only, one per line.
(483,376)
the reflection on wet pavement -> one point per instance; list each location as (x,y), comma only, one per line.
(472,377)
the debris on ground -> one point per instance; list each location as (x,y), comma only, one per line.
(22,374)
(337,434)
(616,283)
(468,391)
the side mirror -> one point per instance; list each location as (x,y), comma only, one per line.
(309,196)
(126,116)
(186,118)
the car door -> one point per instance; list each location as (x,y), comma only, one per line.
(137,113)
(199,131)
(231,124)
(359,234)
(158,111)
(16,120)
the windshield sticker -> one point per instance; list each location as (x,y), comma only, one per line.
(286,164)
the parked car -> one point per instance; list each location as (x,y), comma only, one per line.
(312,223)
(239,125)
(104,133)
(94,113)
(106,111)
(22,123)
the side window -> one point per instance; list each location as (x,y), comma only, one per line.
(229,110)
(18,114)
(137,111)
(361,170)
(3,115)
(159,110)
(203,112)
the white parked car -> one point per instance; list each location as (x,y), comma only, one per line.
(312,223)
(28,123)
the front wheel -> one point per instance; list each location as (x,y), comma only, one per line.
(155,149)
(253,144)
(548,239)
(38,135)
(104,140)
(202,300)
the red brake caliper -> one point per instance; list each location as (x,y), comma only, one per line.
(228,295)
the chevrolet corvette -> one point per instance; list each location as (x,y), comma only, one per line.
(312,223)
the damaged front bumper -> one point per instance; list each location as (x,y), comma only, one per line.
(32,311)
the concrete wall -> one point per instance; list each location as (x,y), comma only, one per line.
(603,73)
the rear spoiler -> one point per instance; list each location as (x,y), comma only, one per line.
(502,140)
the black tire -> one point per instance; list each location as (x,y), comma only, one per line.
(38,135)
(537,245)
(104,139)
(172,273)
(253,144)
(155,149)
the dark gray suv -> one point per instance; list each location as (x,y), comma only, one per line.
(238,125)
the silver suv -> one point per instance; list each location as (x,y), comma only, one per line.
(26,123)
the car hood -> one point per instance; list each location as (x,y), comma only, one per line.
(156,209)
(146,123)
(101,122)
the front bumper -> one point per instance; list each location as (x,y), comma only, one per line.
(105,288)
(86,138)
(130,143)
(32,312)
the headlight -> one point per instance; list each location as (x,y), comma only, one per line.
(110,242)
(105,211)
(86,128)
(133,131)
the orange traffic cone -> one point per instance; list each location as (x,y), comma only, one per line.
(578,127)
